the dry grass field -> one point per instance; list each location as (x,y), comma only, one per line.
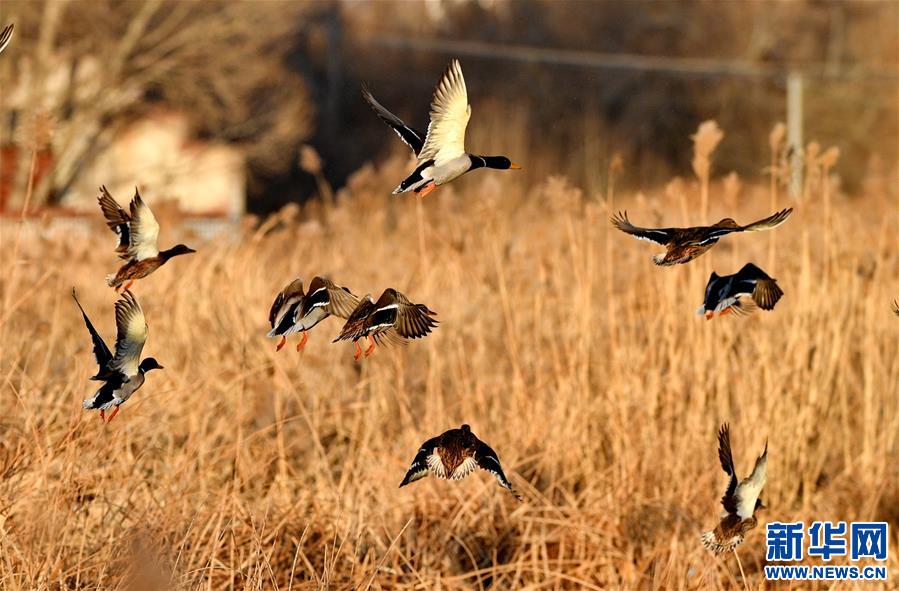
(565,348)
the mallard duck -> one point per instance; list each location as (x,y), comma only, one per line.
(391,318)
(722,294)
(293,311)
(741,501)
(685,244)
(122,374)
(441,153)
(136,244)
(454,455)
(5,37)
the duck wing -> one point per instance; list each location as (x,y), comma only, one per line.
(750,488)
(102,354)
(5,36)
(144,230)
(658,235)
(324,293)
(450,112)
(411,137)
(725,456)
(420,466)
(131,334)
(489,461)
(118,221)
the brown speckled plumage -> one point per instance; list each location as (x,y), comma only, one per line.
(685,244)
(453,455)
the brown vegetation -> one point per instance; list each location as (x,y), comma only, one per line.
(560,343)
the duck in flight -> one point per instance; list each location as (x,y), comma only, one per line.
(122,373)
(725,294)
(392,318)
(441,152)
(741,500)
(685,244)
(137,232)
(453,455)
(295,311)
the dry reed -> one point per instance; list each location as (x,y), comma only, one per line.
(240,468)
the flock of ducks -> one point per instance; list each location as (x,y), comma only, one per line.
(394,318)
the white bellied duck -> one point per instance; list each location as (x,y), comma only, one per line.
(122,373)
(441,152)
(137,232)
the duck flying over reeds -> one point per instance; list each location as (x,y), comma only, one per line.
(441,152)
(741,499)
(5,36)
(122,372)
(137,232)
(392,318)
(685,244)
(453,455)
(740,293)
(294,311)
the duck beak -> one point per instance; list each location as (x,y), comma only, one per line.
(514,166)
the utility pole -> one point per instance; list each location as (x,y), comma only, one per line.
(794,131)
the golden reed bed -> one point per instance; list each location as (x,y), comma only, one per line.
(581,362)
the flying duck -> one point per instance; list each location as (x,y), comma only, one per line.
(740,501)
(393,317)
(122,374)
(685,244)
(293,311)
(441,152)
(722,294)
(5,37)
(136,244)
(454,455)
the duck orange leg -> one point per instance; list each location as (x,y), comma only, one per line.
(281,343)
(127,287)
(302,344)
(358,353)
(427,189)
(114,413)
(371,346)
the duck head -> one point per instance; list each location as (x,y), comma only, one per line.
(176,250)
(497,162)
(148,364)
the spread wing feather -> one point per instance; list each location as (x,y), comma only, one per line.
(411,137)
(750,488)
(725,456)
(5,36)
(131,334)
(419,468)
(118,221)
(144,230)
(102,354)
(658,235)
(450,112)
(489,461)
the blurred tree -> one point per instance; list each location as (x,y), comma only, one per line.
(93,67)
